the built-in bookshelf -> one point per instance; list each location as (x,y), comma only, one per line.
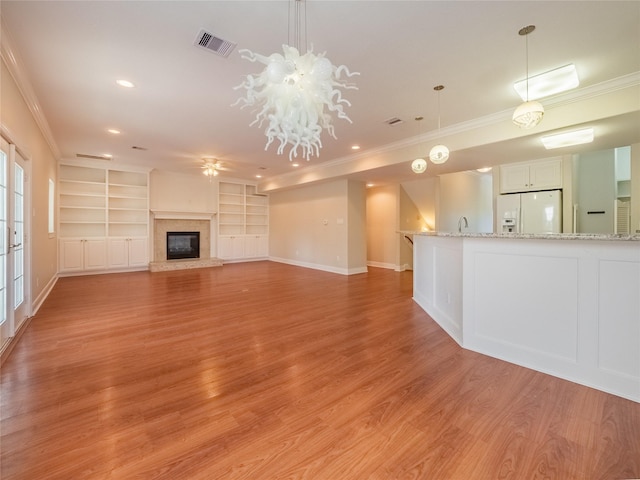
(243,221)
(99,210)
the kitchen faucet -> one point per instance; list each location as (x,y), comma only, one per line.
(466,223)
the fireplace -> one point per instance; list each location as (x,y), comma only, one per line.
(183,245)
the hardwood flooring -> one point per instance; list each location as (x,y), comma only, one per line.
(266,371)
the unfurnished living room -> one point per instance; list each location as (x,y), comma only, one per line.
(317,239)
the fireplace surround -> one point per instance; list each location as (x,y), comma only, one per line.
(164,222)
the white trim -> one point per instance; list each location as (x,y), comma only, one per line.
(324,268)
(177,215)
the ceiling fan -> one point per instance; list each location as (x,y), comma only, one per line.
(211,167)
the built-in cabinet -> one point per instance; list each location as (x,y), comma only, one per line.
(103,220)
(527,177)
(243,222)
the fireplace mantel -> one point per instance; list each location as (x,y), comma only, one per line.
(176,215)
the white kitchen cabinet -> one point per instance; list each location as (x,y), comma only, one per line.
(128,252)
(527,177)
(81,254)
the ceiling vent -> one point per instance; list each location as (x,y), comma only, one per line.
(214,44)
(92,157)
(393,121)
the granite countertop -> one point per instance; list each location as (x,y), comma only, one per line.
(530,236)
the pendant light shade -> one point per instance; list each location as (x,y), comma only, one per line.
(439,154)
(530,113)
(419,165)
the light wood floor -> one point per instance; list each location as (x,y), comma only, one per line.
(266,371)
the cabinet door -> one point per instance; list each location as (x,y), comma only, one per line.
(71,255)
(545,175)
(95,254)
(514,178)
(118,253)
(263,246)
(231,247)
(138,252)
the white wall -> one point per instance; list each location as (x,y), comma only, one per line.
(311,226)
(467,194)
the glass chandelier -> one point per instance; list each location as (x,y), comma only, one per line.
(295,94)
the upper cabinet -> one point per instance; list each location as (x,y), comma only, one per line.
(527,177)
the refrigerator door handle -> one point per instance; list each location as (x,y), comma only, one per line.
(520,218)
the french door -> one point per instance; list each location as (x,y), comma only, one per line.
(13,283)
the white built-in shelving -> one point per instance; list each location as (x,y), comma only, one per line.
(103,220)
(243,222)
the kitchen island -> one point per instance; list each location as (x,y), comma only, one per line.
(563,304)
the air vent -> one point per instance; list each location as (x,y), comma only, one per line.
(93,157)
(393,121)
(136,147)
(214,44)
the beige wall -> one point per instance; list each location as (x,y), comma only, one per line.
(311,226)
(389,210)
(18,121)
(178,192)
(382,226)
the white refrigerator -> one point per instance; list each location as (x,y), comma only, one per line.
(531,212)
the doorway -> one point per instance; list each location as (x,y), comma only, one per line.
(14,290)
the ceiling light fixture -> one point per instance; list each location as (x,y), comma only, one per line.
(484,169)
(125,83)
(295,93)
(567,139)
(439,154)
(528,114)
(114,131)
(548,83)
(210,168)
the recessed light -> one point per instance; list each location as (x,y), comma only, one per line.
(567,139)
(548,83)
(484,169)
(115,131)
(355,147)
(125,83)
(258,176)
(295,164)
(107,155)
(369,185)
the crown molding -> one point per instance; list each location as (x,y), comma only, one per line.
(559,100)
(16,68)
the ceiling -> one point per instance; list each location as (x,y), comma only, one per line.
(180,110)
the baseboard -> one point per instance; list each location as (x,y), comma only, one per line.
(324,268)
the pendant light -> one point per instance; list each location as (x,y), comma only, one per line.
(529,114)
(419,165)
(439,154)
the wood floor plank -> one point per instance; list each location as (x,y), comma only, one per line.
(267,371)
